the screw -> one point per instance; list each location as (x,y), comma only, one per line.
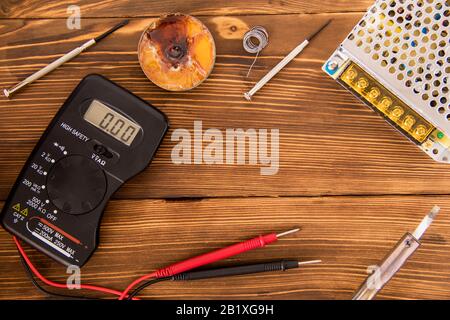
(333,65)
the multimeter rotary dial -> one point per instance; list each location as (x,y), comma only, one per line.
(76,184)
(112,135)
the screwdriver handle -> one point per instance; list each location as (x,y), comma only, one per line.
(49,68)
(390,265)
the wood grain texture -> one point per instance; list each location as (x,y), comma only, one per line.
(329,142)
(146,8)
(352,182)
(347,233)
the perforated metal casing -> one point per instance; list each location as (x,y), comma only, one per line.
(405,46)
(406,43)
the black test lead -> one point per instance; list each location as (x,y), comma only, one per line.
(67,57)
(173,272)
(210,257)
(281,265)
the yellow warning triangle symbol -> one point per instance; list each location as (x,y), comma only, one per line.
(16,207)
(24,212)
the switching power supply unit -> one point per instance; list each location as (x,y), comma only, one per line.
(397,61)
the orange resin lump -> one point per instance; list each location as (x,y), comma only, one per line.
(177,52)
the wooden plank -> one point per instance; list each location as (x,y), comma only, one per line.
(347,233)
(329,142)
(145,8)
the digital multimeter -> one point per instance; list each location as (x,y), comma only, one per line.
(102,136)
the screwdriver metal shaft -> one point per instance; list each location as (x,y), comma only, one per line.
(261,83)
(58,62)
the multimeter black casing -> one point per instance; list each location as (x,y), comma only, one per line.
(58,199)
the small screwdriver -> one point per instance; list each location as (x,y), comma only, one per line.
(392,263)
(261,83)
(58,62)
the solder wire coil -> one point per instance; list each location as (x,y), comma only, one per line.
(254,41)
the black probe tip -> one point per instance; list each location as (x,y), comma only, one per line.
(107,33)
(239,270)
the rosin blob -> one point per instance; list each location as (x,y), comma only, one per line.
(177,52)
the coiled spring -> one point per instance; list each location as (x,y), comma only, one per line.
(254,41)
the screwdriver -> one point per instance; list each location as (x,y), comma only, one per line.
(58,62)
(261,83)
(392,263)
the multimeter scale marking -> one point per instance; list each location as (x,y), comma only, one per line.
(87,152)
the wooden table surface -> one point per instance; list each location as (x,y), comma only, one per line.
(352,183)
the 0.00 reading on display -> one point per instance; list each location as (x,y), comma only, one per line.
(114,127)
(111,122)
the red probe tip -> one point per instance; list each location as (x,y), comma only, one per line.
(288,232)
(207,258)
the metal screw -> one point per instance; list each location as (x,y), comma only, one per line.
(333,65)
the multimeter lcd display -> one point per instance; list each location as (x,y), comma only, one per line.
(102,136)
(111,122)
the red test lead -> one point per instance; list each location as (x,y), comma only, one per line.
(56,284)
(210,257)
(220,254)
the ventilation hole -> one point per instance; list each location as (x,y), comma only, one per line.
(410,40)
